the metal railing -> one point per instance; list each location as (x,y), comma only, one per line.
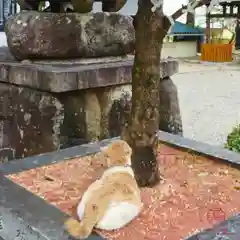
(7,8)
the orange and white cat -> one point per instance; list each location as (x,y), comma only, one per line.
(112,201)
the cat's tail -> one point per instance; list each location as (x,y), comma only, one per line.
(77,229)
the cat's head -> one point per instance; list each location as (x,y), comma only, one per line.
(117,153)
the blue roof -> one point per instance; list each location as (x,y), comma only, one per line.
(181,28)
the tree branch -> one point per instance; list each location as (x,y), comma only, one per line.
(169,20)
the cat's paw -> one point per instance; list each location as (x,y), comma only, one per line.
(84,233)
(72,226)
(76,229)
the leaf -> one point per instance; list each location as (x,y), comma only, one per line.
(203,174)
(233,139)
(237,188)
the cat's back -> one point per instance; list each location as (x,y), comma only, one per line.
(119,188)
(118,215)
(118,171)
(125,202)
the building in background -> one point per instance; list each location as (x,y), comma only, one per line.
(182,41)
(7,8)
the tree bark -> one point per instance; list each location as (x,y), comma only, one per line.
(140,131)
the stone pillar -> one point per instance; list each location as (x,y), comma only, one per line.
(170,115)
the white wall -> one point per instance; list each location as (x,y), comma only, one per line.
(3,41)
(179,49)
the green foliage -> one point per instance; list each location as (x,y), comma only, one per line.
(42,6)
(233,140)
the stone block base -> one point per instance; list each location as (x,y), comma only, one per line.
(49,105)
(30,122)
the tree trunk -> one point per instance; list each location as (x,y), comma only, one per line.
(140,131)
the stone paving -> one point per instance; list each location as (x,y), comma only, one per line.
(209,100)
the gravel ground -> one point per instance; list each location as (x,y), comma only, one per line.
(209,96)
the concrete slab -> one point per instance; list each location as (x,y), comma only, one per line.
(227,230)
(26,216)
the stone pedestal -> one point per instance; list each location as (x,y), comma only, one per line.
(57,104)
